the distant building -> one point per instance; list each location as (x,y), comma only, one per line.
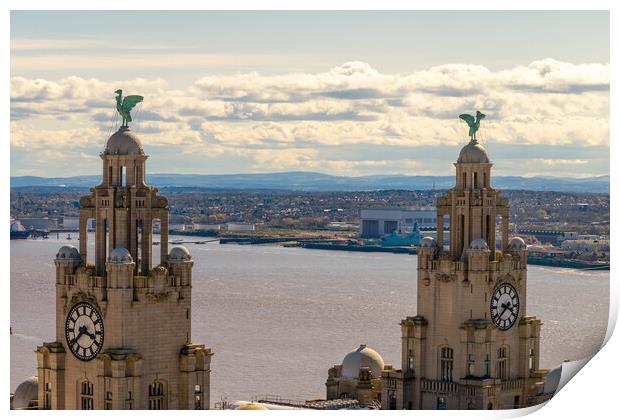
(376,222)
(240,227)
(39,223)
(70,222)
(586,245)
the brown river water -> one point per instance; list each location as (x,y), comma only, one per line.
(277,318)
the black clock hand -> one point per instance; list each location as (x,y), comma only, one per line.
(77,337)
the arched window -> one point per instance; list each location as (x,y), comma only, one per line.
(502,362)
(86,395)
(446,363)
(157,396)
(530,358)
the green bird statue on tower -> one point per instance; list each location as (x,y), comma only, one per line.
(474,124)
(125,105)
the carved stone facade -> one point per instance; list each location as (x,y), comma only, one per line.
(471,346)
(128,343)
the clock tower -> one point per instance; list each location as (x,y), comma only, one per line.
(123,324)
(471,345)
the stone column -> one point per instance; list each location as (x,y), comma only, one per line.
(504,231)
(440,230)
(163,244)
(83,236)
(100,243)
(147,239)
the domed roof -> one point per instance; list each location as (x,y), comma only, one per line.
(120,256)
(473,152)
(251,406)
(478,244)
(124,142)
(25,392)
(428,242)
(363,356)
(68,252)
(179,253)
(552,380)
(516,244)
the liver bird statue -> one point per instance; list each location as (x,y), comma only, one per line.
(126,104)
(474,124)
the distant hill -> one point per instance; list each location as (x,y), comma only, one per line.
(314,181)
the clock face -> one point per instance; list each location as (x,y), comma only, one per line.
(84,331)
(504,306)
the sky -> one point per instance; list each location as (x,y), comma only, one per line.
(345,93)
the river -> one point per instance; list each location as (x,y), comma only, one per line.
(278,318)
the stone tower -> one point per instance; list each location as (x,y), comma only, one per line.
(123,326)
(471,346)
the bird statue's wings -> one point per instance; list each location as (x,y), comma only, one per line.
(480,115)
(130,101)
(468,118)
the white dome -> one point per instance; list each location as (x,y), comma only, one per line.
(478,244)
(473,153)
(124,142)
(25,392)
(428,242)
(120,256)
(516,244)
(363,356)
(552,380)
(179,253)
(68,252)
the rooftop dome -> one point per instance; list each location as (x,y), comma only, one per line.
(479,244)
(179,253)
(473,152)
(68,252)
(552,380)
(428,242)
(251,406)
(124,142)
(25,393)
(363,356)
(516,244)
(120,256)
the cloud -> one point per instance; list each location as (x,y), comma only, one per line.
(288,121)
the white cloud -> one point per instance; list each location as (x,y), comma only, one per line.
(283,122)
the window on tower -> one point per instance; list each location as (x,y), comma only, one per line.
(47,400)
(411,360)
(86,395)
(157,396)
(197,397)
(446,363)
(108,401)
(502,362)
(530,358)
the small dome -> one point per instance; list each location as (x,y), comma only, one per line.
(25,393)
(68,252)
(552,380)
(479,244)
(124,142)
(473,152)
(251,406)
(179,253)
(120,256)
(428,242)
(516,244)
(363,356)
